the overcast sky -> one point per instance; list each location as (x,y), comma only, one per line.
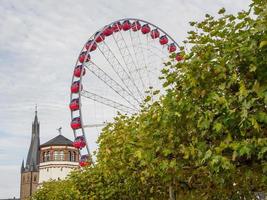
(39,44)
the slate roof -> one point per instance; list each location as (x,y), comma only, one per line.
(59,140)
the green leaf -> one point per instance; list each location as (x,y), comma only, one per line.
(138,154)
(217,127)
(147,99)
(263,43)
(262,117)
(221,11)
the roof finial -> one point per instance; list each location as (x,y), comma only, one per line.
(59,130)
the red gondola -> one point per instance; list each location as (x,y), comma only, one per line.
(83,57)
(154,34)
(116,27)
(75,87)
(89,43)
(84,161)
(145,29)
(78,71)
(76,123)
(172,48)
(108,31)
(163,40)
(74,104)
(79,142)
(179,57)
(136,26)
(99,37)
(126,25)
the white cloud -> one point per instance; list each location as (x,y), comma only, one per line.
(39,44)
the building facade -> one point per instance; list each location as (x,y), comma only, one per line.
(58,158)
(52,160)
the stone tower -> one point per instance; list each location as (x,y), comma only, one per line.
(58,158)
(30,171)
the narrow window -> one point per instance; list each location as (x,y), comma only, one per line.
(61,155)
(70,154)
(47,156)
(44,157)
(56,155)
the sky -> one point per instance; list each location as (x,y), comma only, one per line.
(39,45)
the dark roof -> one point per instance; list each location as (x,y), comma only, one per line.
(58,141)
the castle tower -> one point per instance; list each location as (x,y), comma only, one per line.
(30,172)
(58,158)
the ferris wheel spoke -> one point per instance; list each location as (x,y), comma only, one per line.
(94,125)
(107,102)
(110,82)
(127,57)
(119,70)
(142,56)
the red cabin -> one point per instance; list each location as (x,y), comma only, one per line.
(163,40)
(74,104)
(78,71)
(145,29)
(108,31)
(76,123)
(154,34)
(99,37)
(75,87)
(126,25)
(84,161)
(89,43)
(179,57)
(116,27)
(136,26)
(83,57)
(172,48)
(79,142)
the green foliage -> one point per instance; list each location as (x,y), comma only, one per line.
(204,139)
(57,190)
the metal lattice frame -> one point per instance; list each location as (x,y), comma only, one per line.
(134,64)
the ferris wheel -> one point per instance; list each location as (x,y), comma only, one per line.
(115,69)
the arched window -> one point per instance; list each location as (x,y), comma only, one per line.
(74,156)
(47,156)
(70,154)
(35,178)
(43,156)
(56,155)
(61,155)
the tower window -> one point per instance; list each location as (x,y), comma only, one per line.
(74,156)
(61,155)
(34,178)
(70,156)
(56,155)
(47,156)
(43,156)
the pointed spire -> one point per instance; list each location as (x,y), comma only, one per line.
(33,157)
(22,166)
(36,117)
